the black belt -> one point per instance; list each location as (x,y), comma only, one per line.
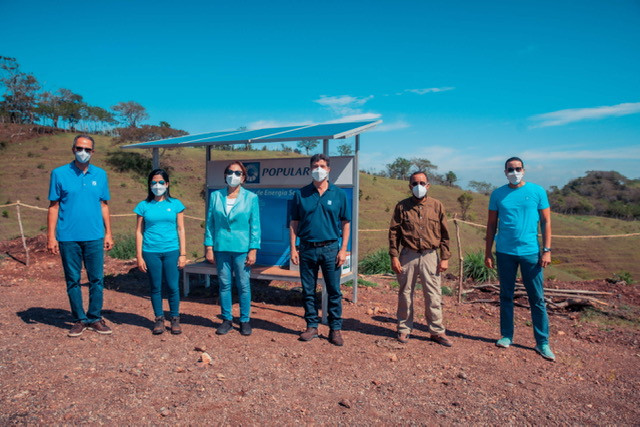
(318,244)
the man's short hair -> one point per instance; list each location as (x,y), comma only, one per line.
(418,173)
(318,157)
(93,143)
(511,159)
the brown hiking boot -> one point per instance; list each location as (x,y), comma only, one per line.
(158,326)
(442,340)
(403,337)
(100,327)
(309,334)
(77,329)
(335,337)
(175,325)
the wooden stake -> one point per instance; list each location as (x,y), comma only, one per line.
(24,241)
(460,258)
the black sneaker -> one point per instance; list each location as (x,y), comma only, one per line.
(77,329)
(224,328)
(245,328)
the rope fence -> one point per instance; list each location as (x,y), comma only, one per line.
(19,204)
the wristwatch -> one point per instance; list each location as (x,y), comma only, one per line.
(545,249)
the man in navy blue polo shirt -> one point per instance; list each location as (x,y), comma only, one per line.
(320,217)
(79,228)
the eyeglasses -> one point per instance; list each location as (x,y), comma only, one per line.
(158,182)
(230,172)
(87,149)
(514,169)
(424,184)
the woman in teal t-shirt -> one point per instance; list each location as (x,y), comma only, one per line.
(160,246)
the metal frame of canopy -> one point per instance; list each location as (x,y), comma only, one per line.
(324,132)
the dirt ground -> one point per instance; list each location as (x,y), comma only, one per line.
(133,377)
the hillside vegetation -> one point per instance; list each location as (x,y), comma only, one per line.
(24,175)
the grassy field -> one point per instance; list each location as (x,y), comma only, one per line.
(25,169)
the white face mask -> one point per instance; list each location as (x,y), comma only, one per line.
(419,191)
(158,189)
(319,174)
(82,156)
(515,177)
(233,180)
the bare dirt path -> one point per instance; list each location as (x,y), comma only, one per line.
(271,378)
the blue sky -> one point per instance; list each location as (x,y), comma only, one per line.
(465,84)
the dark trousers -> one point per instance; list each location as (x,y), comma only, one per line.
(73,255)
(311,260)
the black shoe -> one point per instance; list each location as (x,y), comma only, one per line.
(175,325)
(245,328)
(224,328)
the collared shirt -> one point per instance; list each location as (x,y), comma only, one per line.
(160,232)
(320,217)
(419,225)
(79,195)
(518,217)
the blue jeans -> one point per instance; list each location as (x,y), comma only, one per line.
(311,260)
(91,253)
(163,265)
(533,282)
(231,265)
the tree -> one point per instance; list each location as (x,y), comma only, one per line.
(482,187)
(450,179)
(308,145)
(399,168)
(465,201)
(49,107)
(72,108)
(423,165)
(345,149)
(20,94)
(131,113)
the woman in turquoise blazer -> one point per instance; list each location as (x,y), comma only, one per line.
(232,238)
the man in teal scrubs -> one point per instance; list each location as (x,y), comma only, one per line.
(79,228)
(515,210)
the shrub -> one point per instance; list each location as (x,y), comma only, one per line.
(5,213)
(124,247)
(446,291)
(377,262)
(622,276)
(362,283)
(130,162)
(475,269)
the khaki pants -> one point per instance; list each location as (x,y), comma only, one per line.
(423,266)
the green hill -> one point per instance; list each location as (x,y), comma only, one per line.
(24,176)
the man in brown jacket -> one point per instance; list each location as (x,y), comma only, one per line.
(419,225)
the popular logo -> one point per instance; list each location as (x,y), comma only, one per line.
(253,172)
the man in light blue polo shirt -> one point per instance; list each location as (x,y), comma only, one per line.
(79,228)
(515,210)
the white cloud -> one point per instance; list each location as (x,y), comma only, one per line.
(430,90)
(388,127)
(260,124)
(343,104)
(627,153)
(563,117)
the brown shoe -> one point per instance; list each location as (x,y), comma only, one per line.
(309,334)
(442,340)
(158,326)
(175,325)
(403,337)
(77,329)
(100,327)
(335,338)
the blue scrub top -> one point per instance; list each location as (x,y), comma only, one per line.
(160,231)
(79,195)
(518,217)
(320,217)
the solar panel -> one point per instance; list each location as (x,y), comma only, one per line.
(276,134)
